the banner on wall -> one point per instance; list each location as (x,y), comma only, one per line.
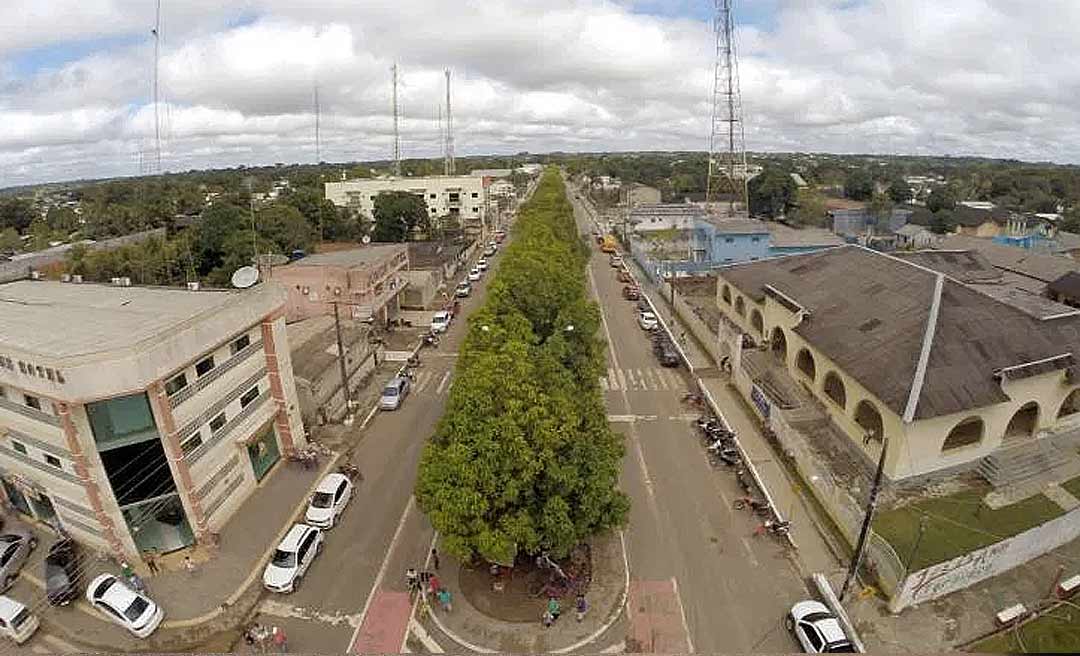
(760,400)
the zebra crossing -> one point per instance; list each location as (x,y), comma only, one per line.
(647,379)
(434,381)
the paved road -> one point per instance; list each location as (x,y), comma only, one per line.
(685,541)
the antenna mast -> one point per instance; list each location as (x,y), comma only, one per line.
(318,150)
(157,53)
(448,164)
(397,134)
(727,146)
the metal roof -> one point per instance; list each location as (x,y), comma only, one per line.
(354,257)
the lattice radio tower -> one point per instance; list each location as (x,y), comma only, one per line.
(397,119)
(727,142)
(156,32)
(449,167)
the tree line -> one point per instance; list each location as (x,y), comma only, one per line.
(523,461)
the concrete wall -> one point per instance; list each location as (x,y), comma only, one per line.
(435,190)
(967,570)
(422,290)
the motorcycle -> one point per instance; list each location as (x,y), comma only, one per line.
(749,503)
(350,471)
(431,339)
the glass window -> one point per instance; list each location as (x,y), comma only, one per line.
(729,240)
(202,367)
(50,374)
(175,384)
(32,401)
(216,423)
(22,367)
(60,376)
(249,396)
(121,421)
(475,195)
(18,446)
(53,460)
(240,344)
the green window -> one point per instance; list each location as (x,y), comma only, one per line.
(121,421)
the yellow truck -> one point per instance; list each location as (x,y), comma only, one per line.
(608,245)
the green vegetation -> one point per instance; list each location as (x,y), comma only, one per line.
(524,460)
(957,524)
(1056,632)
(1072,486)
(399,213)
(772,193)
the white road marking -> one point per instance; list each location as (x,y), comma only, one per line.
(618,372)
(613,378)
(442,383)
(418,630)
(374,409)
(682,613)
(654,378)
(626,419)
(420,598)
(663,380)
(422,380)
(280,609)
(603,383)
(749,551)
(617,648)
(382,572)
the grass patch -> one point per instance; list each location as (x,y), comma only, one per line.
(958,524)
(1058,631)
(1072,486)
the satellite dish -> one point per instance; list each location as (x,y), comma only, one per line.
(245,277)
(366,239)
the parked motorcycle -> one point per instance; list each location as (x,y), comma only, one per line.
(350,471)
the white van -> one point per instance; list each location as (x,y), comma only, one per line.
(16,620)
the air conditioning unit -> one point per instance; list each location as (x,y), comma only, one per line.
(193,286)
(76,278)
(65,277)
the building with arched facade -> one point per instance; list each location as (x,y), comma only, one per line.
(893,348)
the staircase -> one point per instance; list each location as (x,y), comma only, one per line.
(1037,461)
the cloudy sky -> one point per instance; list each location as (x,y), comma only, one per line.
(237,78)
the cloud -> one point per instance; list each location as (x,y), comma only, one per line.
(987,77)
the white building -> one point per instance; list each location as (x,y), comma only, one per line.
(139,419)
(462,197)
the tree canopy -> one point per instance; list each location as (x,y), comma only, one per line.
(397,214)
(772,193)
(859,185)
(524,460)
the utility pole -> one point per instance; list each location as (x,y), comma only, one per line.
(864,532)
(397,134)
(157,53)
(344,372)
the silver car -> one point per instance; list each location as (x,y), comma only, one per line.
(394,393)
(16,543)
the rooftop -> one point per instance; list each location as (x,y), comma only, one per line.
(1044,268)
(787,237)
(355,257)
(869,313)
(1067,285)
(57,319)
(738,226)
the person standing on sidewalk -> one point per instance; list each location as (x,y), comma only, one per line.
(547,620)
(189,565)
(553,608)
(412,580)
(151,562)
(445,600)
(581,607)
(281,643)
(435,558)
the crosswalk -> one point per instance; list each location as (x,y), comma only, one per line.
(433,381)
(647,379)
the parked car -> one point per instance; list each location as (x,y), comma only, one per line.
(463,289)
(62,572)
(329,501)
(631,293)
(817,629)
(615,261)
(17,623)
(647,320)
(482,264)
(15,546)
(440,322)
(666,353)
(474,274)
(500,235)
(115,600)
(292,558)
(624,276)
(394,393)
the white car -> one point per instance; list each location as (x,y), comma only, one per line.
(647,321)
(292,558)
(474,274)
(328,501)
(817,629)
(131,610)
(440,322)
(482,264)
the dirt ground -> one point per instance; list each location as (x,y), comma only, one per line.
(526,587)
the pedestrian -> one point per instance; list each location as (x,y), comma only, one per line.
(434,585)
(553,608)
(445,599)
(280,641)
(435,558)
(189,565)
(151,562)
(581,607)
(547,620)
(125,569)
(412,580)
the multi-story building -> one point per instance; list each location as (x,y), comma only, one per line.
(460,197)
(365,281)
(136,418)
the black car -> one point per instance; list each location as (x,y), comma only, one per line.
(666,353)
(62,572)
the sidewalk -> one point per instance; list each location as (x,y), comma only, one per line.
(476,631)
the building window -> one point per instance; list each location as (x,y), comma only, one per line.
(60,376)
(18,446)
(476,209)
(121,421)
(203,367)
(755,239)
(966,433)
(50,374)
(22,367)
(32,401)
(475,195)
(192,443)
(249,396)
(54,461)
(216,423)
(240,344)
(729,240)
(175,384)
(432,196)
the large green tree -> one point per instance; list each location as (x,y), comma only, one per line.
(859,185)
(772,193)
(397,214)
(899,190)
(941,198)
(16,212)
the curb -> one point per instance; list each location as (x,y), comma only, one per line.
(613,616)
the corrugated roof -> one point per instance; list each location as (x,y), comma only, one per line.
(1045,268)
(869,314)
(1068,284)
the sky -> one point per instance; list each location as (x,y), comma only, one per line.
(237,79)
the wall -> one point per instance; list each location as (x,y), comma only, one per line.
(740,248)
(421,290)
(706,336)
(967,570)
